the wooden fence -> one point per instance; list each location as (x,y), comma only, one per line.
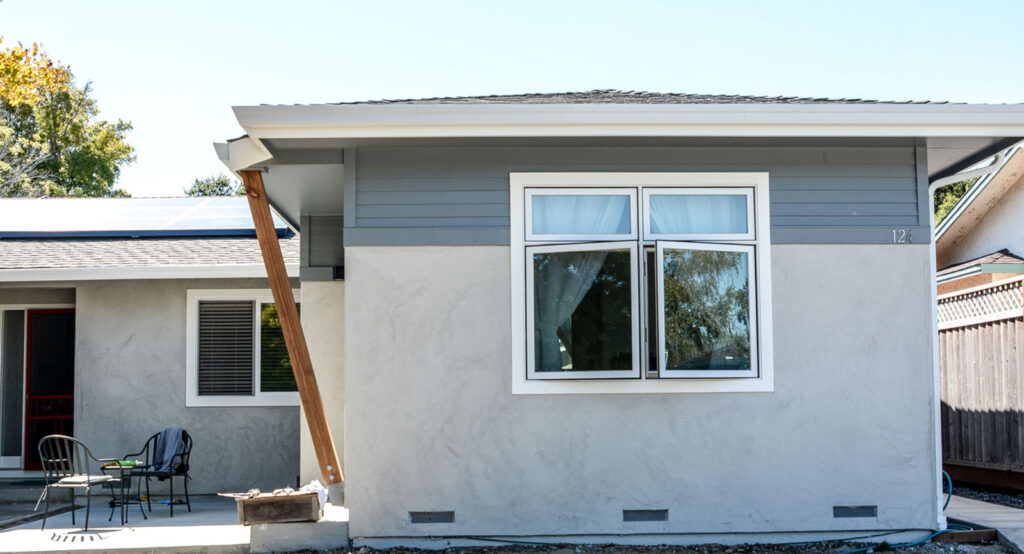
(981,356)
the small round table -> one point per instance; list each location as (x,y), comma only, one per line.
(124,475)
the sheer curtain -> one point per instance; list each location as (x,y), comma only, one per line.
(580,214)
(698,214)
(561,280)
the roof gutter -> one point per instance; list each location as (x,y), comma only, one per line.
(235,271)
(616,120)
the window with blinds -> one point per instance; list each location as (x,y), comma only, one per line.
(226,344)
(227,357)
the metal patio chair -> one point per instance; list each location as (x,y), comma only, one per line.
(178,466)
(66,464)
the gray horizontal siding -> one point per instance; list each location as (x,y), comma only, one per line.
(322,247)
(459,195)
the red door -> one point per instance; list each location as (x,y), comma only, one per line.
(49,378)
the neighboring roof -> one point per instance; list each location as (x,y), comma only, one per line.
(129,238)
(128,217)
(611,96)
(985,194)
(1002,261)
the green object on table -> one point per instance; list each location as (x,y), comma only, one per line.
(122,463)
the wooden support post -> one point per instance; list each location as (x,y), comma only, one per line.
(294,339)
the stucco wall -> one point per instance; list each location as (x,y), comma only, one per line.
(432,424)
(323,322)
(999,228)
(130,373)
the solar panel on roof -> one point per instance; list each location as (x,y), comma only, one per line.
(118,217)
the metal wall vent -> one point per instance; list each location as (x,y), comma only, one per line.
(431,517)
(854,511)
(644,515)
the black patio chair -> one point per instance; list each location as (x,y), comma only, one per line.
(178,466)
(66,464)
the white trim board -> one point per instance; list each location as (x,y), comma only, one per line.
(235,271)
(617,120)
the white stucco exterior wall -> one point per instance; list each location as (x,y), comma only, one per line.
(323,322)
(431,423)
(1000,228)
(130,383)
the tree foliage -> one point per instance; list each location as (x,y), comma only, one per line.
(947,197)
(52,142)
(215,185)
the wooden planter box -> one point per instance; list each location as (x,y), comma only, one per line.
(279,509)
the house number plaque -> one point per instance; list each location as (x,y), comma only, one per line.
(901,236)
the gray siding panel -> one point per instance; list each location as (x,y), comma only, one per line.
(402,193)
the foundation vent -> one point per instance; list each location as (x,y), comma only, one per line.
(854,511)
(644,515)
(431,517)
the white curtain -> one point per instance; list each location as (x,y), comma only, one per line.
(580,214)
(693,214)
(561,281)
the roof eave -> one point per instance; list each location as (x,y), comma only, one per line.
(223,271)
(611,120)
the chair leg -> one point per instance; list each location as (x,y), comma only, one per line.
(138,496)
(73,507)
(88,504)
(46,493)
(149,503)
(171,479)
(187,501)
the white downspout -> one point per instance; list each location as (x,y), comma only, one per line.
(997,163)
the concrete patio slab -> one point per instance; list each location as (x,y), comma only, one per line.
(212,526)
(1009,522)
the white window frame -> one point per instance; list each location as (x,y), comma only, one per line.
(633,373)
(756,181)
(258,398)
(548,191)
(752,300)
(747,193)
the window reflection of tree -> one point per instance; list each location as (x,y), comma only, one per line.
(706,310)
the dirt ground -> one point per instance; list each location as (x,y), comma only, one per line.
(816,548)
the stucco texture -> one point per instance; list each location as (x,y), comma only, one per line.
(432,424)
(130,383)
(323,322)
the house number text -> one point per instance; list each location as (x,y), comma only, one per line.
(901,236)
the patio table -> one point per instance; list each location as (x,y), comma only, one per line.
(124,474)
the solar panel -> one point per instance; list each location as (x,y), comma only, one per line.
(120,217)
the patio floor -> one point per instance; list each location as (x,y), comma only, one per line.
(212,526)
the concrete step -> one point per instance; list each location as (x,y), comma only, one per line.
(12,493)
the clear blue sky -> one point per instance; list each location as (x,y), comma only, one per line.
(174,69)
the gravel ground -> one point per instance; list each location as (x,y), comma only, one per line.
(817,548)
(1013,501)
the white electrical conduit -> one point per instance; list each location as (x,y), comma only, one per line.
(997,163)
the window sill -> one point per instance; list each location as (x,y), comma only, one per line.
(265,400)
(643,386)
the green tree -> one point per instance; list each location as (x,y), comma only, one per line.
(215,185)
(52,141)
(947,197)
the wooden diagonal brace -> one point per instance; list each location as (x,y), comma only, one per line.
(294,339)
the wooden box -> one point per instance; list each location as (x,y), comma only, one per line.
(279,509)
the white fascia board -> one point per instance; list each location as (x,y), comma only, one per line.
(236,271)
(242,153)
(581,120)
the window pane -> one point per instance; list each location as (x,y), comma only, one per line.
(581,214)
(707,310)
(583,311)
(275,365)
(692,214)
(225,364)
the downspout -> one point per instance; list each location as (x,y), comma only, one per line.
(997,163)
